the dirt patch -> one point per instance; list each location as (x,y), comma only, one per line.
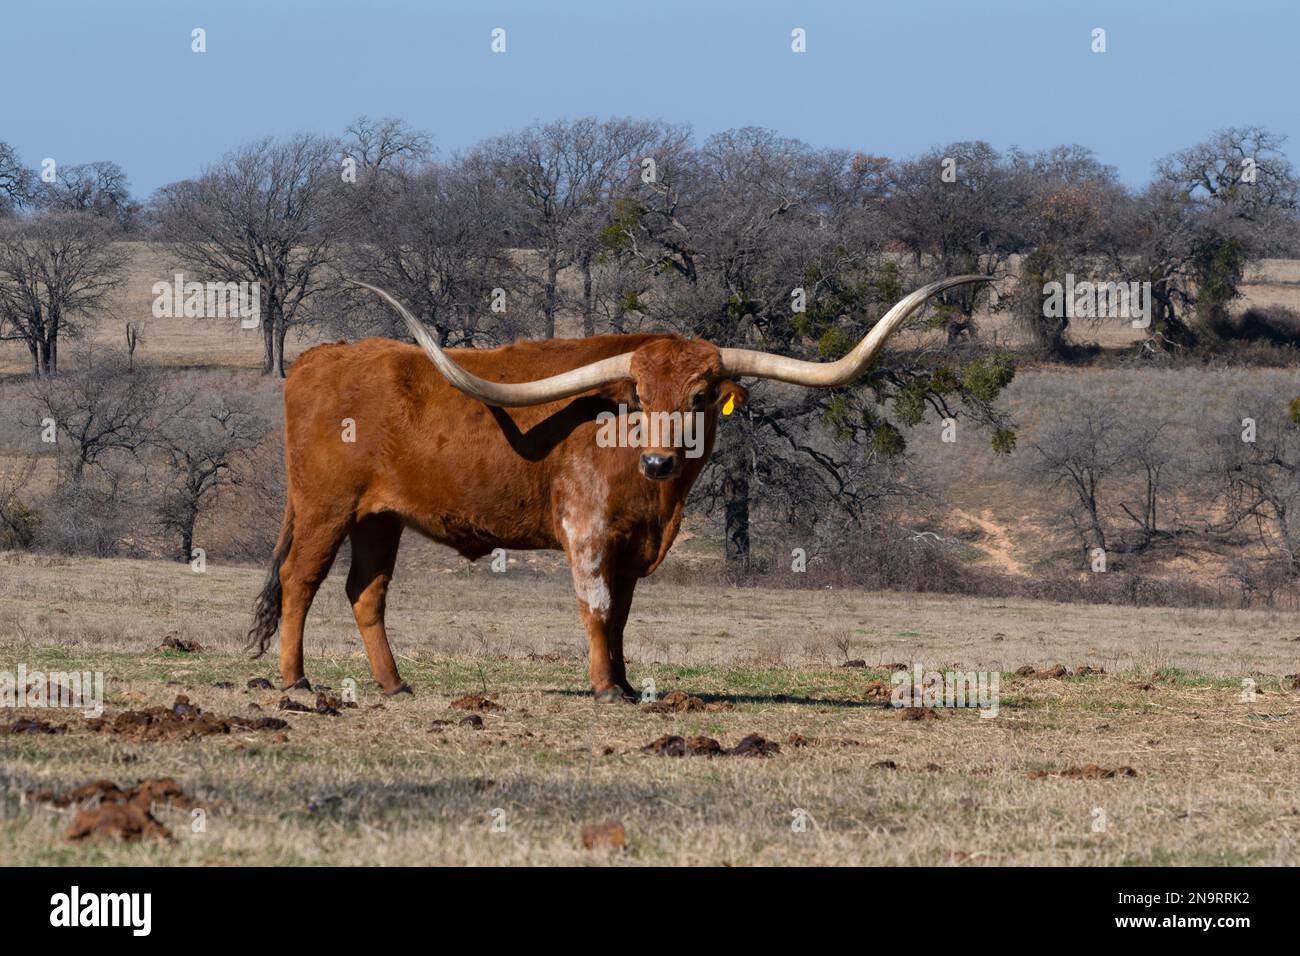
(107,812)
(326,704)
(997,545)
(754,746)
(1088,772)
(32,725)
(475,702)
(604,836)
(799,740)
(917,713)
(128,822)
(260,683)
(877,690)
(676,702)
(173,643)
(670,745)
(858,662)
(1059,671)
(181,721)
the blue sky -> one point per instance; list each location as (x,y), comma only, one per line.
(88,80)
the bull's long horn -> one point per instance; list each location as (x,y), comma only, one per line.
(828,374)
(506,394)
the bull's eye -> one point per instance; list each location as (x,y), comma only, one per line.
(697,400)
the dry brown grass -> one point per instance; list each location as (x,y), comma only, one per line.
(1215,775)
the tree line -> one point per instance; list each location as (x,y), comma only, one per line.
(747,238)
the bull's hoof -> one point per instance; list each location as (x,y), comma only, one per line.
(301,683)
(616,695)
(399,690)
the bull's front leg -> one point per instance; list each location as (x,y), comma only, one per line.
(604,599)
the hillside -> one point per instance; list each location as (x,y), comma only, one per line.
(980,505)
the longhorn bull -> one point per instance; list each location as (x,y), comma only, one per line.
(497,448)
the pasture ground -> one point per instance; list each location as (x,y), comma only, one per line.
(1216,777)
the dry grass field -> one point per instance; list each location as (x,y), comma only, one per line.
(1151,756)
(1203,775)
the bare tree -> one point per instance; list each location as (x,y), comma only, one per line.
(1259,471)
(267,213)
(1150,455)
(960,209)
(19,522)
(203,440)
(15,181)
(432,235)
(133,327)
(562,179)
(383,144)
(55,269)
(100,189)
(99,410)
(1081,452)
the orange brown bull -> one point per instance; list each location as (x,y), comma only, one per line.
(500,448)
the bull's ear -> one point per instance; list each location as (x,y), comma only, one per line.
(731,395)
(622,392)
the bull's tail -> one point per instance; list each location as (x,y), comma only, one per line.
(266,612)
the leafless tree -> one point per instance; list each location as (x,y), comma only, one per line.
(55,269)
(133,327)
(267,213)
(384,144)
(19,521)
(1081,452)
(430,233)
(203,439)
(100,189)
(961,209)
(1150,455)
(101,409)
(15,181)
(562,179)
(1260,478)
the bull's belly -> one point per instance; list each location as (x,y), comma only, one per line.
(474,539)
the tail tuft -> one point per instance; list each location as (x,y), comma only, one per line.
(266,611)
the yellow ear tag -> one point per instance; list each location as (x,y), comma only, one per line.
(729,405)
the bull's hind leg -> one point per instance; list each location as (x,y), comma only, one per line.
(316,541)
(374,553)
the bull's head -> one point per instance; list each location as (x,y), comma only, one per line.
(665,376)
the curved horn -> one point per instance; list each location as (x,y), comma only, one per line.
(509,395)
(829,374)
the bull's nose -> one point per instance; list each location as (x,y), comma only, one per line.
(657,467)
